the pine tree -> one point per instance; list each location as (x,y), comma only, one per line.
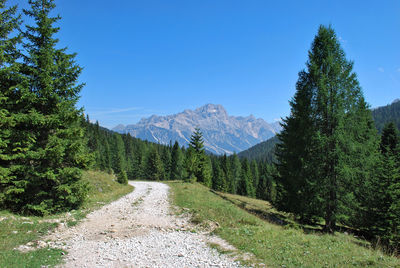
(118,153)
(389,139)
(295,177)
(47,172)
(245,185)
(236,174)
(10,146)
(154,169)
(255,173)
(202,168)
(122,177)
(166,161)
(119,158)
(218,178)
(196,141)
(262,188)
(139,161)
(129,155)
(227,173)
(176,162)
(191,165)
(380,196)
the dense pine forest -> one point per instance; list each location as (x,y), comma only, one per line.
(331,166)
(131,159)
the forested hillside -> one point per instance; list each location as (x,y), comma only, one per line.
(387,114)
(264,151)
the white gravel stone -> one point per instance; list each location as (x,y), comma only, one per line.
(138,230)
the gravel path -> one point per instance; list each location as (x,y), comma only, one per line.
(137,230)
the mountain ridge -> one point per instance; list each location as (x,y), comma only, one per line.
(222,133)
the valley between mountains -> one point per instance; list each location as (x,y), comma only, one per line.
(138,230)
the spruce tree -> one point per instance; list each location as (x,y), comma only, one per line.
(380,197)
(166,161)
(122,177)
(202,169)
(218,178)
(261,190)
(176,162)
(227,172)
(196,141)
(190,164)
(236,174)
(255,173)
(245,185)
(295,178)
(47,172)
(118,154)
(10,146)
(154,169)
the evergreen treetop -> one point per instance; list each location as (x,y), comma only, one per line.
(196,141)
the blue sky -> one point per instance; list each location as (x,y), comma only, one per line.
(163,56)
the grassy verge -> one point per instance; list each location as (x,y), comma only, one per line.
(272,244)
(17,230)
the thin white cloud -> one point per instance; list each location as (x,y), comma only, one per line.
(115,111)
(342,40)
(380,69)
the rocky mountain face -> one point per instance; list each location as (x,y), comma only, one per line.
(222,133)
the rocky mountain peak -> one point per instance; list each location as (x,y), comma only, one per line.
(223,134)
(212,110)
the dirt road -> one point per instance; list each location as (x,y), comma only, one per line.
(138,230)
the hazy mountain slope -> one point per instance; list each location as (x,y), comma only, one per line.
(263,151)
(386,114)
(222,133)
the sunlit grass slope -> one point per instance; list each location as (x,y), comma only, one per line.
(274,244)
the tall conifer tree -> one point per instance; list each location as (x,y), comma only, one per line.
(176,163)
(336,141)
(202,169)
(236,173)
(11,147)
(296,179)
(47,172)
(154,168)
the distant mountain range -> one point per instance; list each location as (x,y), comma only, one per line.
(265,151)
(222,133)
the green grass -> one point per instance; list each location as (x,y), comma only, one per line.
(275,245)
(17,230)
